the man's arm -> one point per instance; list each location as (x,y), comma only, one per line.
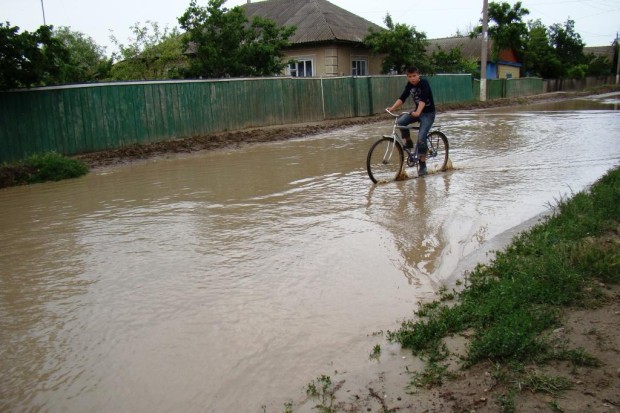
(396,105)
(419,109)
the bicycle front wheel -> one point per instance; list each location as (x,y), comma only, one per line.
(385,160)
(437,155)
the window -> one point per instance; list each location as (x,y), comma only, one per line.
(301,68)
(359,67)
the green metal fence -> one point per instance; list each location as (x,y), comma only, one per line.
(524,86)
(509,88)
(85,118)
(451,88)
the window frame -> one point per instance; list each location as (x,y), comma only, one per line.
(304,61)
(355,65)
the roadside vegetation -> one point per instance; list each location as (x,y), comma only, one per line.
(49,166)
(508,310)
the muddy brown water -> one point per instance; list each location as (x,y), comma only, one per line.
(227,280)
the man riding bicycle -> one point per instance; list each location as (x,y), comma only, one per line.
(422,95)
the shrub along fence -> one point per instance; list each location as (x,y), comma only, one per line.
(85,118)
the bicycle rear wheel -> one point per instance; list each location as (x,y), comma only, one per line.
(385,160)
(437,154)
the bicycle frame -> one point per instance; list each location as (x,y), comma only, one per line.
(412,155)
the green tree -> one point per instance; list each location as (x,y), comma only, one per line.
(539,57)
(30,59)
(453,62)
(568,48)
(401,45)
(153,53)
(87,61)
(223,43)
(598,65)
(506,27)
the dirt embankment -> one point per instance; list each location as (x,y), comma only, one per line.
(233,139)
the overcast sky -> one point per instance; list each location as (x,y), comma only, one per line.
(597,21)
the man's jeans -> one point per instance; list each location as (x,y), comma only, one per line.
(426,122)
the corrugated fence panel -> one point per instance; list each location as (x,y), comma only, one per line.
(339,97)
(523,87)
(496,88)
(95,120)
(361,96)
(111,118)
(451,88)
(509,88)
(306,101)
(10,145)
(188,108)
(385,90)
(475,87)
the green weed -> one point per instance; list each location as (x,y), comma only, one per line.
(433,375)
(376,352)
(540,383)
(49,166)
(506,402)
(322,390)
(577,356)
(555,406)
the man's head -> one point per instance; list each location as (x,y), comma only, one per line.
(413,75)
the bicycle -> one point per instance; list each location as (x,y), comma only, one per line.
(386,157)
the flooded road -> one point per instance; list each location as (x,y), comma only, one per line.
(226,281)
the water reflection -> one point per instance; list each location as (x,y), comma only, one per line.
(227,280)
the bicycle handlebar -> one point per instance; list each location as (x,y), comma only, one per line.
(394,114)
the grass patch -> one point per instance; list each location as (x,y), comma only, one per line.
(434,374)
(541,383)
(507,305)
(49,166)
(375,353)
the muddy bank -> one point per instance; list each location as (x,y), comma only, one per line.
(234,139)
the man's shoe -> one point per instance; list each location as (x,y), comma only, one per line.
(422,171)
(409,144)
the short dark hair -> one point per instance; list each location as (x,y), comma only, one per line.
(413,69)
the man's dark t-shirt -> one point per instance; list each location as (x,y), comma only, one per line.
(420,93)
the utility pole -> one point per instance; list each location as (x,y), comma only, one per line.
(43,10)
(483,56)
(617,60)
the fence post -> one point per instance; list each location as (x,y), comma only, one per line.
(371,103)
(355,93)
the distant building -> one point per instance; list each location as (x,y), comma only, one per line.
(505,67)
(603,51)
(328,40)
